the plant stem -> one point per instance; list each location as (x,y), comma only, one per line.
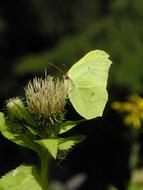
(44,170)
(134,156)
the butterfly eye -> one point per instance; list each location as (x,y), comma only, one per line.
(67,77)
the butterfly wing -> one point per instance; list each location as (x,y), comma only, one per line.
(89,75)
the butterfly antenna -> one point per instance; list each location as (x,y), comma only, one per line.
(57,67)
(64,66)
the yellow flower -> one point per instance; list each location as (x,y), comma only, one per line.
(133,109)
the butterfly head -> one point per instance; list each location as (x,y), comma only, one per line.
(69,81)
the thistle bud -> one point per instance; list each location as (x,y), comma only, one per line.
(14,108)
(17,111)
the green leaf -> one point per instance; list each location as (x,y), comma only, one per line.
(22,178)
(67,143)
(32,130)
(51,145)
(20,139)
(66,126)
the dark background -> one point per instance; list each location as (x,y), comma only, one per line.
(36,32)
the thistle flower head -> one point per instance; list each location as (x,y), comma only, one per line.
(46,97)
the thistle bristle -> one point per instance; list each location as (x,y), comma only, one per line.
(47,96)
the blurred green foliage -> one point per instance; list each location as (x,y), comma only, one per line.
(119,33)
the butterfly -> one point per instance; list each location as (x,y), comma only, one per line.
(88,80)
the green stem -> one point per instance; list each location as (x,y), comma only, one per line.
(44,170)
(134,156)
